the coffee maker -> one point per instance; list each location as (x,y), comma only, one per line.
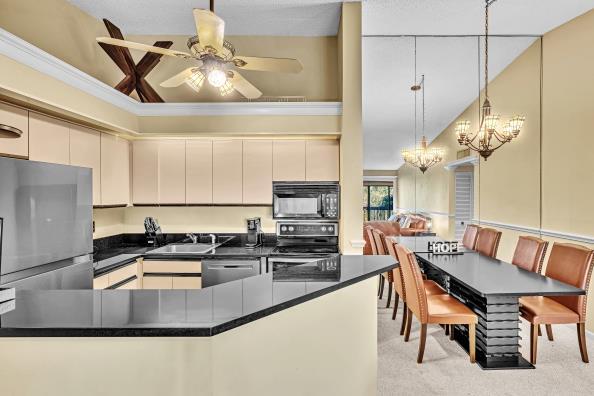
(254,233)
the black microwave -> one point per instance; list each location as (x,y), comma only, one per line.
(306,200)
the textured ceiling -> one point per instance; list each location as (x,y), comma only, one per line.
(242,17)
(450,64)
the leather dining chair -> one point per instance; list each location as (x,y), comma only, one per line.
(571,264)
(487,242)
(470,235)
(431,288)
(379,238)
(530,253)
(438,309)
(369,239)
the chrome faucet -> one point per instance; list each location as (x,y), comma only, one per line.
(193,237)
(213,238)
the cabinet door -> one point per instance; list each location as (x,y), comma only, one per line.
(145,169)
(101,282)
(132,285)
(157,282)
(227,172)
(199,171)
(49,139)
(322,160)
(17,118)
(85,150)
(172,172)
(257,172)
(288,160)
(115,171)
(186,282)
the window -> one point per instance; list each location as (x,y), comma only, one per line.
(378,201)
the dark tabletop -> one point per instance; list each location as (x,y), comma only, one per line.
(492,277)
(195,313)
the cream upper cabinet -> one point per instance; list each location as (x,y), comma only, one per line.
(288,161)
(49,139)
(115,170)
(199,171)
(227,171)
(322,160)
(85,150)
(257,171)
(145,170)
(172,172)
(17,118)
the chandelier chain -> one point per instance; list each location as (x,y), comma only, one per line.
(487,3)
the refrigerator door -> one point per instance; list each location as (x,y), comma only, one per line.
(47,213)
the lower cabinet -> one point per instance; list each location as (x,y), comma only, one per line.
(157,282)
(187,282)
(180,274)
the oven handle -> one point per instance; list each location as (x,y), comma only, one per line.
(294,260)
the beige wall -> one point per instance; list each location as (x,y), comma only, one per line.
(508,185)
(351,143)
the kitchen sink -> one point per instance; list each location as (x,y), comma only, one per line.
(192,248)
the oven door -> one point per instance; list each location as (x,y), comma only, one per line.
(297,205)
(310,268)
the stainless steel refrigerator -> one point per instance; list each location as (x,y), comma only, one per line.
(46,225)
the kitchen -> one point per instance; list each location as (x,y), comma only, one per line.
(183,240)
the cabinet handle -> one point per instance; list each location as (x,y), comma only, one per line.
(9,131)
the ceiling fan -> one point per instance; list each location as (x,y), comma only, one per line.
(215,58)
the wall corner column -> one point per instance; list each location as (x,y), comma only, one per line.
(351,142)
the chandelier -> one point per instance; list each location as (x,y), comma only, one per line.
(490,135)
(421,157)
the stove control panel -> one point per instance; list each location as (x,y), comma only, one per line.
(306,229)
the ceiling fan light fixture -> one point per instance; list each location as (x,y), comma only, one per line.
(217,78)
(196,80)
(226,88)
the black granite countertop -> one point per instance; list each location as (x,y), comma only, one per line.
(124,251)
(166,313)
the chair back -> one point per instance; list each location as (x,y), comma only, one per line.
(487,242)
(571,264)
(380,241)
(370,239)
(396,272)
(470,236)
(416,297)
(530,253)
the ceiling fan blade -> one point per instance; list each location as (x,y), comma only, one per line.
(282,65)
(244,87)
(179,78)
(142,47)
(210,28)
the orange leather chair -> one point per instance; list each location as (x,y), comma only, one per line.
(530,253)
(571,264)
(470,235)
(380,244)
(431,287)
(390,228)
(487,242)
(372,248)
(438,309)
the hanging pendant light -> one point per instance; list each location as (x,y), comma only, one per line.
(490,134)
(421,157)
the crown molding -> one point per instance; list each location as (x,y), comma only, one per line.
(23,52)
(470,160)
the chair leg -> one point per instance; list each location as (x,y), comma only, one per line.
(389,294)
(533,342)
(581,330)
(381,288)
(404,318)
(422,343)
(447,329)
(549,332)
(539,331)
(396,299)
(451,332)
(408,323)
(471,342)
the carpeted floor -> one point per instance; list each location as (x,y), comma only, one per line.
(446,369)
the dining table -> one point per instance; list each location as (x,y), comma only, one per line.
(492,289)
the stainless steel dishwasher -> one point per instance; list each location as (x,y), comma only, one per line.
(217,271)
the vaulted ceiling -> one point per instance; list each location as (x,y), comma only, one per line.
(450,64)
